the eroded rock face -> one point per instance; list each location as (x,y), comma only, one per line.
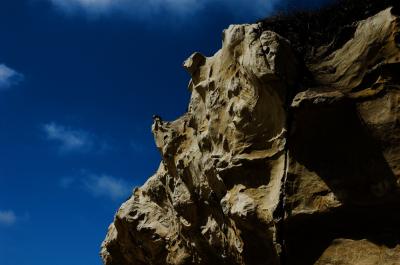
(359,252)
(264,170)
(343,177)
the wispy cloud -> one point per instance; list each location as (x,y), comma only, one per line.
(9,77)
(75,140)
(140,9)
(69,139)
(107,186)
(99,185)
(134,7)
(7,218)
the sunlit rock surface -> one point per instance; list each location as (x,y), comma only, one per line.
(267,168)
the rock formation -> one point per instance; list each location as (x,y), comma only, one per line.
(289,152)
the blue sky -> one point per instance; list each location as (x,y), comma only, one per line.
(79,82)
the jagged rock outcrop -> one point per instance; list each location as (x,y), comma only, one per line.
(280,159)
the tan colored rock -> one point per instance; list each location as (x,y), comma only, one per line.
(213,198)
(259,171)
(351,154)
(360,252)
(344,152)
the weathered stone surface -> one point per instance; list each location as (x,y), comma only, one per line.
(265,168)
(344,150)
(212,200)
(360,252)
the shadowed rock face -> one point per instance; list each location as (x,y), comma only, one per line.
(267,168)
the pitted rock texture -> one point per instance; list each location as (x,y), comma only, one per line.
(267,168)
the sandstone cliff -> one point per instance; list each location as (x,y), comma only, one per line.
(289,152)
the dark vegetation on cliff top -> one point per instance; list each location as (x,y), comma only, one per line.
(315,34)
(329,26)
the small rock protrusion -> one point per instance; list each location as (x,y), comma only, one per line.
(193,63)
(157,120)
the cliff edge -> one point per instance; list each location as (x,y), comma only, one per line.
(289,152)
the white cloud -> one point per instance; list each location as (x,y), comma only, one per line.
(70,140)
(8,77)
(7,218)
(99,185)
(107,186)
(149,8)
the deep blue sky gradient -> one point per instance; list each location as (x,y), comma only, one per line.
(105,76)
